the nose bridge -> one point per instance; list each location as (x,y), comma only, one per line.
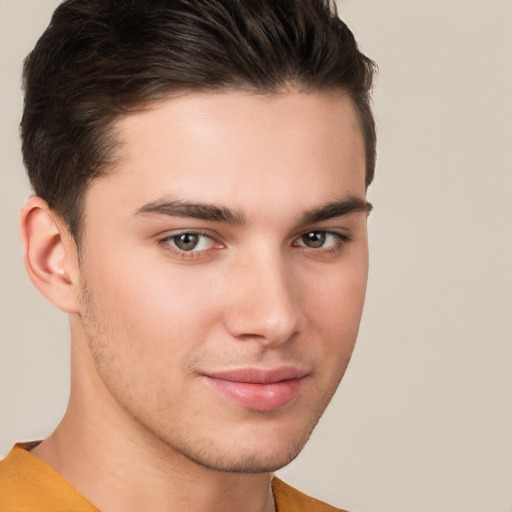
(264,302)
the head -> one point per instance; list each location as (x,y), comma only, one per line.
(204,166)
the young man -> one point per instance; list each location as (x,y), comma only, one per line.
(200,171)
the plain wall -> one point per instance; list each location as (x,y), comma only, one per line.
(423,419)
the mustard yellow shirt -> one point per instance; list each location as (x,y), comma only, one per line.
(27,484)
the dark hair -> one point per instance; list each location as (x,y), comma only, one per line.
(101,59)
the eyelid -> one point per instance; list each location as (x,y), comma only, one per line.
(343,234)
(170,233)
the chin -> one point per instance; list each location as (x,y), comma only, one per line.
(257,450)
(247,462)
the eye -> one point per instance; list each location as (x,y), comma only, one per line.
(314,239)
(321,239)
(190,242)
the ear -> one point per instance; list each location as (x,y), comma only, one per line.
(50,254)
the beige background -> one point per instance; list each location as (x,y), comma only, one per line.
(423,420)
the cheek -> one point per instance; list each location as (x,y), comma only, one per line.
(155,314)
(145,327)
(334,306)
(336,301)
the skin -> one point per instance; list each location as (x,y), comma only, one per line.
(274,283)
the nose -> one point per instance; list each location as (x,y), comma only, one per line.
(263,302)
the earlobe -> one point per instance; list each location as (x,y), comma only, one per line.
(50,255)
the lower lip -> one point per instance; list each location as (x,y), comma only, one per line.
(259,397)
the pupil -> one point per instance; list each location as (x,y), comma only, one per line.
(186,241)
(314,239)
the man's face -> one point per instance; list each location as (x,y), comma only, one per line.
(223,272)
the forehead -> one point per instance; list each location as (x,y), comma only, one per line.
(237,149)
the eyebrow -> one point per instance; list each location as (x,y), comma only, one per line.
(351,204)
(189,209)
(209,212)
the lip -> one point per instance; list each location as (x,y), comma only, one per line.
(259,389)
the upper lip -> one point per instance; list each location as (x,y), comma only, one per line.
(259,375)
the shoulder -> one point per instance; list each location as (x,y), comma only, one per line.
(289,499)
(27,484)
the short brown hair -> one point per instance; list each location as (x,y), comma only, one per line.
(101,59)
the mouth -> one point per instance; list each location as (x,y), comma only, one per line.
(259,389)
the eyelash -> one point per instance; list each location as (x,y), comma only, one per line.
(337,246)
(192,254)
(340,241)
